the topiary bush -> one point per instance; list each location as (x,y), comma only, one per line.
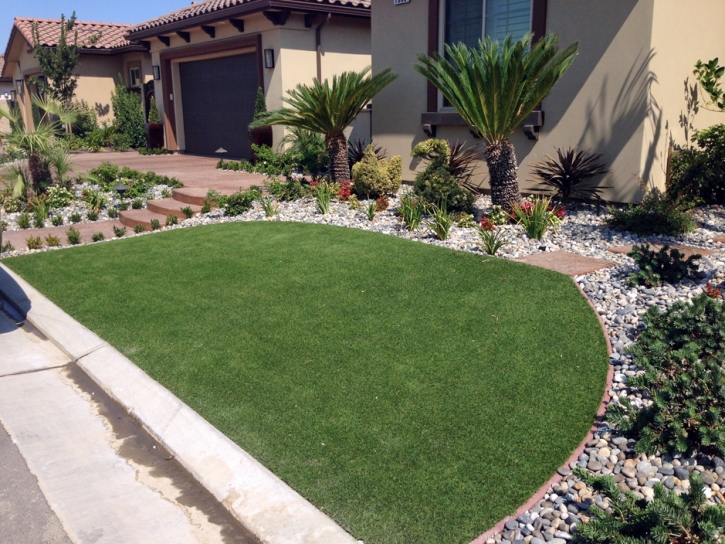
(668,518)
(436,183)
(698,172)
(374,177)
(682,351)
(665,264)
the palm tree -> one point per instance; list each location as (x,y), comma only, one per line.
(494,87)
(329,109)
(43,138)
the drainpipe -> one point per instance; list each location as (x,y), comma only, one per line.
(318,42)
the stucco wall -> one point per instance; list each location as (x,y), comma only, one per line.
(619,98)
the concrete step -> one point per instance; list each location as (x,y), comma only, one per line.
(131,218)
(196,195)
(168,206)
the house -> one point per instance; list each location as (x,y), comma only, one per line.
(628,95)
(6,87)
(105,54)
(210,58)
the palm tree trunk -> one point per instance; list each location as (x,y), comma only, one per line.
(337,150)
(503,172)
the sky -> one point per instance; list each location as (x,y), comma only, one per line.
(104,11)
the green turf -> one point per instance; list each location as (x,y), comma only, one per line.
(415,393)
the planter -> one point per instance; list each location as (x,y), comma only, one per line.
(154,135)
(260,136)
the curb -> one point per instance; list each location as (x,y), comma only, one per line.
(556,478)
(259,500)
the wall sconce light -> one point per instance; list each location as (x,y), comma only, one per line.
(19,85)
(13,95)
(269,58)
(157,72)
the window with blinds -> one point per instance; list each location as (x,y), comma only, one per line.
(468,21)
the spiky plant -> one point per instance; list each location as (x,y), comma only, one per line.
(356,150)
(569,176)
(462,163)
(328,108)
(494,87)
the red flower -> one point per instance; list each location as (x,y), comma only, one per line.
(487,224)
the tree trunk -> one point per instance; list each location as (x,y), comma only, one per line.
(504,176)
(337,150)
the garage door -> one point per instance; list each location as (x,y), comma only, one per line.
(218,104)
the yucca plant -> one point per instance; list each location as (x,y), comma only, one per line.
(569,175)
(494,87)
(269,206)
(328,108)
(356,150)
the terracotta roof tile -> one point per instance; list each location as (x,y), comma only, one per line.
(111,36)
(210,6)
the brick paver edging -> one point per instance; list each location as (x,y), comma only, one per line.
(556,478)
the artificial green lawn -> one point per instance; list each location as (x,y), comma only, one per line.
(416,394)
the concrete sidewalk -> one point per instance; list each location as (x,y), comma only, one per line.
(75,468)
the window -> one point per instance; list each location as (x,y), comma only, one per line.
(134,78)
(468,21)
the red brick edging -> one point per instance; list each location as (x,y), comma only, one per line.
(499,527)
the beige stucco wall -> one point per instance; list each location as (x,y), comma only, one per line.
(621,96)
(345,46)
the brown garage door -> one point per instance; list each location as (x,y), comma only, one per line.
(218,103)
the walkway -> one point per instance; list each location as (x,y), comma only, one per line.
(76,468)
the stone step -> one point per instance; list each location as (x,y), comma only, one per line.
(168,206)
(196,195)
(131,218)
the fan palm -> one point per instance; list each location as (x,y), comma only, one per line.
(328,109)
(494,87)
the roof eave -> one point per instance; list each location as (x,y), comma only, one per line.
(247,9)
(13,32)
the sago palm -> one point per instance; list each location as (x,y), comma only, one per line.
(495,87)
(328,109)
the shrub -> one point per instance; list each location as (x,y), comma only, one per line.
(371,209)
(112,213)
(323,196)
(353,202)
(128,113)
(11,204)
(34,242)
(498,216)
(206,207)
(664,264)
(138,229)
(138,183)
(271,163)
(119,232)
(92,215)
(356,151)
(153,114)
(155,224)
(137,204)
(240,202)
(52,241)
(73,236)
(569,175)
(96,200)
(373,177)
(166,192)
(153,151)
(654,215)
(75,217)
(24,220)
(119,142)
(411,210)
(697,173)
(97,237)
(57,220)
(123,206)
(441,222)
(171,219)
(537,216)
(668,518)
(382,203)
(188,212)
(344,191)
(712,291)
(86,120)
(58,197)
(464,221)
(236,166)
(437,184)
(492,238)
(308,150)
(38,220)
(7,246)
(682,352)
(287,191)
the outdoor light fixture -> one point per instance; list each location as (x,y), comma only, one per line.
(221,152)
(269,58)
(13,95)
(19,85)
(120,188)
(157,71)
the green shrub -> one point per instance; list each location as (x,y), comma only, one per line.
(206,207)
(441,222)
(128,113)
(288,190)
(11,204)
(7,246)
(119,142)
(92,215)
(24,220)
(96,200)
(166,192)
(138,229)
(73,236)
(153,151)
(58,197)
(171,219)
(654,215)
(155,225)
(437,184)
(123,206)
(75,217)
(308,151)
(464,220)
(34,242)
(97,237)
(187,211)
(698,172)
(682,351)
(119,232)
(86,121)
(38,220)
(664,264)
(57,220)
(492,239)
(375,177)
(371,209)
(536,216)
(106,173)
(668,518)
(137,204)
(323,196)
(236,166)
(411,210)
(154,116)
(271,163)
(112,213)
(52,241)
(240,202)
(138,183)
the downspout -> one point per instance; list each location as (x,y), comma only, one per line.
(318,43)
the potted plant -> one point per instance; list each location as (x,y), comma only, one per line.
(261,135)
(154,128)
